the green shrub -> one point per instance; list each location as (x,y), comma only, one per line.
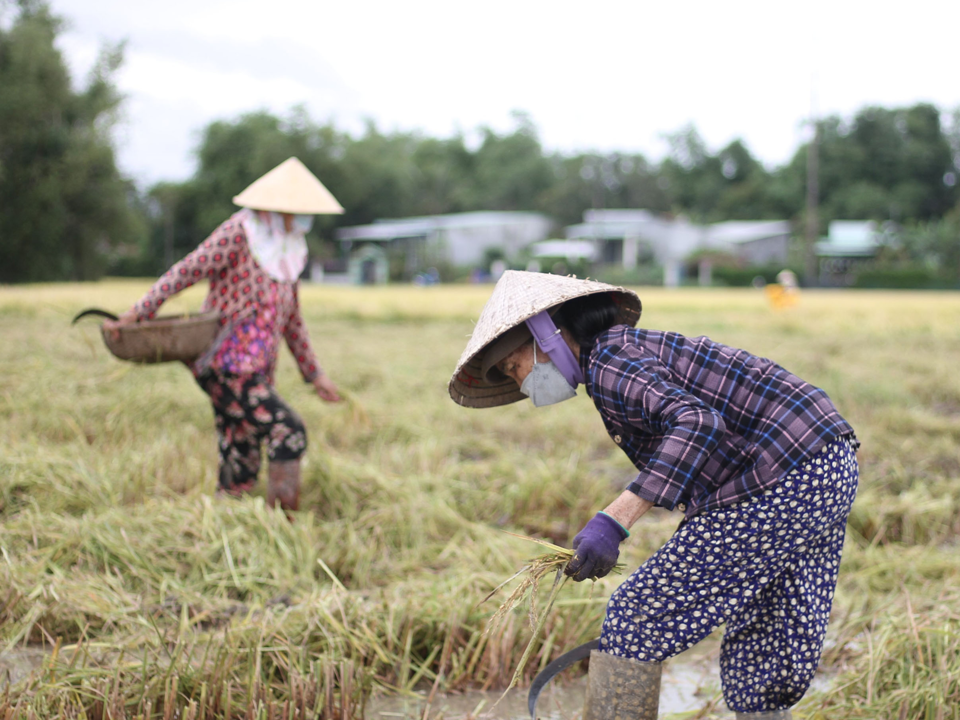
(904,278)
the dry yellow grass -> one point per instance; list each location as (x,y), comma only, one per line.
(108,541)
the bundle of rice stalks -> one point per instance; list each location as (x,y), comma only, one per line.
(528,589)
(530,576)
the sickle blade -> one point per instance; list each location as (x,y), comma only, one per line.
(94,311)
(580,652)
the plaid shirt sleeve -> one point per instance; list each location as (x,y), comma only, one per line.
(630,387)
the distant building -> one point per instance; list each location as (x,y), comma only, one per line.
(849,246)
(626,238)
(632,237)
(754,242)
(566,249)
(459,239)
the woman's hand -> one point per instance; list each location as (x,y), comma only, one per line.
(326,389)
(596,547)
(113,326)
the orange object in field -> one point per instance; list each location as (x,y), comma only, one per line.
(781,297)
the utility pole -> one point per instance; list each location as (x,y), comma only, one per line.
(168,258)
(166,196)
(812,234)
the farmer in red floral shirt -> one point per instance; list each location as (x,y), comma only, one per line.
(253,262)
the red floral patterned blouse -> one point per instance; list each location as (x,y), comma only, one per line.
(255,310)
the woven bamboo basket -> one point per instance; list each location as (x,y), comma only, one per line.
(165,339)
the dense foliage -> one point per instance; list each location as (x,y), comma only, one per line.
(62,201)
(66,212)
(895,165)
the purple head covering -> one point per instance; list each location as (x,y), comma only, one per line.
(550,340)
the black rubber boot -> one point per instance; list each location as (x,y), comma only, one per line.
(621,689)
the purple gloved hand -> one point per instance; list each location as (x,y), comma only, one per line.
(596,547)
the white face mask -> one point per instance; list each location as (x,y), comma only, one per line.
(302,224)
(546,385)
(282,255)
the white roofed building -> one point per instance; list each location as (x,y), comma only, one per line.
(850,245)
(457,239)
(755,242)
(624,238)
(632,237)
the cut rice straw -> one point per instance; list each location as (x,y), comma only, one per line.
(554,561)
(110,544)
(529,584)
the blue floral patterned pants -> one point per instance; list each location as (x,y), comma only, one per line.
(766,567)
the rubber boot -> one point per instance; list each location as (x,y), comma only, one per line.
(284,484)
(621,689)
(237,491)
(768,715)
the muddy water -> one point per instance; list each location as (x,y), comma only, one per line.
(16,665)
(690,683)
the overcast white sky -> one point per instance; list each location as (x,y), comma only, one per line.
(592,75)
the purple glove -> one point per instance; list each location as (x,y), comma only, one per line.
(596,547)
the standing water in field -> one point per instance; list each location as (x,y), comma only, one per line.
(690,683)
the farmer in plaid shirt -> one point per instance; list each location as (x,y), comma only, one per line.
(759,462)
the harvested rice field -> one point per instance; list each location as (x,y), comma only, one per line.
(128,591)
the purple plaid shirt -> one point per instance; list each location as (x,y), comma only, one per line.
(706,424)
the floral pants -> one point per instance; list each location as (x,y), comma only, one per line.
(766,567)
(248,411)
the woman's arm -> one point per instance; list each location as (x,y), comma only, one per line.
(597,546)
(632,389)
(214,256)
(628,508)
(298,340)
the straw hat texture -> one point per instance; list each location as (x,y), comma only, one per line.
(517,296)
(289,188)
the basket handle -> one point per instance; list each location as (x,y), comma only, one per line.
(94,311)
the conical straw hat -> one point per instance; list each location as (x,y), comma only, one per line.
(517,296)
(289,188)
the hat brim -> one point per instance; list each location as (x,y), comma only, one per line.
(518,296)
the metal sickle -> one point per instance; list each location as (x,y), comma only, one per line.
(94,311)
(580,652)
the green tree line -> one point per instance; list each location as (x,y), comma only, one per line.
(63,202)
(66,212)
